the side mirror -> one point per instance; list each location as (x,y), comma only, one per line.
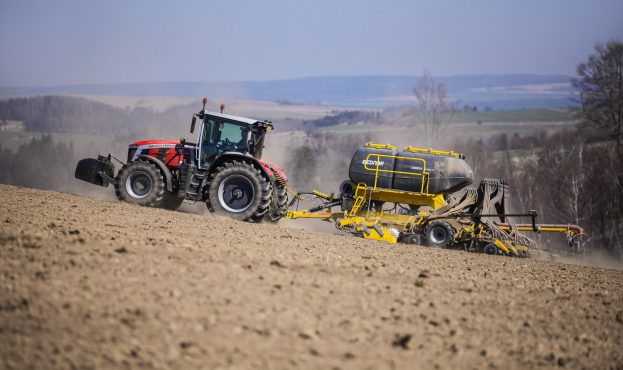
(192,124)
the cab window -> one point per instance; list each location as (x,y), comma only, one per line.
(234,136)
(221,136)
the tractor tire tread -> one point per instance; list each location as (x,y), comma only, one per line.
(152,200)
(279,203)
(265,189)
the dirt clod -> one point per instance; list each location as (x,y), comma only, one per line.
(402,341)
(276,263)
(304,336)
(550,357)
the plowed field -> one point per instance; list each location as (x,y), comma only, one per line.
(88,283)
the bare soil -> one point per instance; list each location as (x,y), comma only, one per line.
(87,283)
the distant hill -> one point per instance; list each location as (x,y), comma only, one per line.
(495,91)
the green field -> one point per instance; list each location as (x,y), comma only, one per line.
(514,116)
(474,124)
(403,127)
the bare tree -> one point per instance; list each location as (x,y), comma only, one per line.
(601,89)
(434,108)
(565,188)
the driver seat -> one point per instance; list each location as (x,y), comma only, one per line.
(209,149)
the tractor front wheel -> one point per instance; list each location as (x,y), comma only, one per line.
(240,191)
(140,183)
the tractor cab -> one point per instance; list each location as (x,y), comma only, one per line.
(222,133)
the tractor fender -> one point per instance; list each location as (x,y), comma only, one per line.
(228,156)
(165,171)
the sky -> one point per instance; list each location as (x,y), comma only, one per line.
(47,43)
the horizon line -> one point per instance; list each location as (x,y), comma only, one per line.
(277,79)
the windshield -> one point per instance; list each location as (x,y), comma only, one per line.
(220,136)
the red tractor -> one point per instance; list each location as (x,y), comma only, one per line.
(223,169)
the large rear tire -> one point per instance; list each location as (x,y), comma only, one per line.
(140,183)
(240,191)
(279,203)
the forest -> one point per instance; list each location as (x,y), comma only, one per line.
(68,114)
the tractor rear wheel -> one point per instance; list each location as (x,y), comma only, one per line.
(240,191)
(279,203)
(439,234)
(140,183)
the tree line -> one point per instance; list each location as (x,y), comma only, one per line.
(67,114)
(41,163)
(569,177)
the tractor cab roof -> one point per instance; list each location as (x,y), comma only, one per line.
(229,117)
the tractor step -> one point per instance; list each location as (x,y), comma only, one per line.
(194,181)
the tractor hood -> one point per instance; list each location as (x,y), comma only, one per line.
(164,143)
(164,150)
